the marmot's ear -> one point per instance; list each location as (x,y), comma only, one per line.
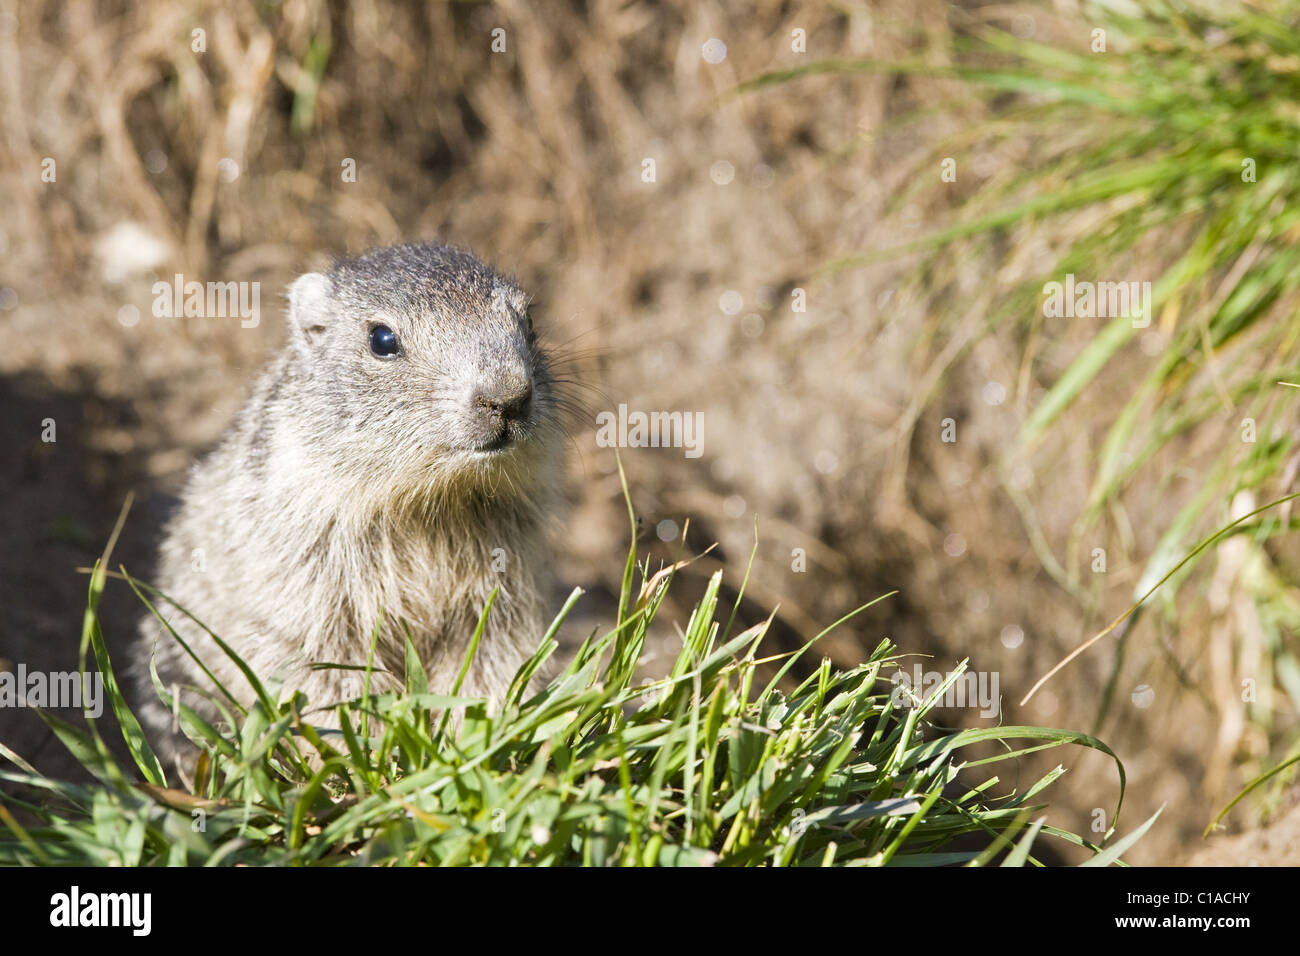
(309,306)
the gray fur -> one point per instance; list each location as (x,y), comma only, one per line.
(349,490)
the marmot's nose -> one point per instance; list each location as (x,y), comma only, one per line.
(504,403)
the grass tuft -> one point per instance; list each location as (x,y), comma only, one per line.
(698,768)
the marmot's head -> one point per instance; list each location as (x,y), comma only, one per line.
(427,365)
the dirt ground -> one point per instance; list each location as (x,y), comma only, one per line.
(677,294)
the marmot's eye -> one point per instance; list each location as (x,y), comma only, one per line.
(383,341)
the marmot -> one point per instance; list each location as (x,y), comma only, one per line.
(397,461)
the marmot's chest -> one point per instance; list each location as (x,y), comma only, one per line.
(423,580)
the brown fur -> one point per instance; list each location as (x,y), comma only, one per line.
(352,492)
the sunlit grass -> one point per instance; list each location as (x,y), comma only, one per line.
(712,764)
(1163,153)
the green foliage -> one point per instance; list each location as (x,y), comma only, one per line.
(1179,137)
(710,764)
(1169,156)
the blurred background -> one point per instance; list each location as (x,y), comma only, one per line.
(824,226)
